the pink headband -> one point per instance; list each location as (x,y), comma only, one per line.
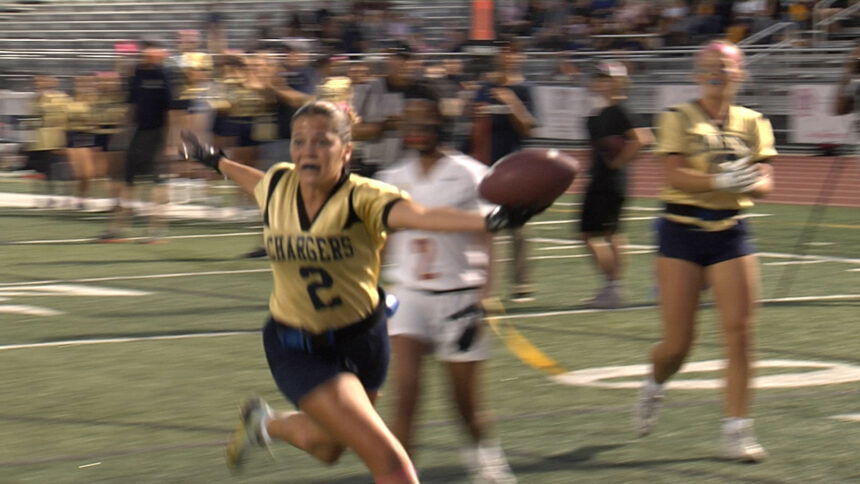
(724,48)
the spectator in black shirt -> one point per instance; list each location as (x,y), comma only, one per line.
(616,139)
(149,97)
(502,123)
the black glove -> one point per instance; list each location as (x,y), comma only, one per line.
(504,217)
(193,150)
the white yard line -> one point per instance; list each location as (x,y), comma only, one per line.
(848,417)
(93,239)
(81,342)
(130,278)
(794,262)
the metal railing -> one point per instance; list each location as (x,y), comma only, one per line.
(820,25)
(765,33)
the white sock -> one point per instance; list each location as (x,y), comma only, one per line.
(264,432)
(734,424)
(651,383)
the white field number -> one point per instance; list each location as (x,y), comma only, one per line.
(619,377)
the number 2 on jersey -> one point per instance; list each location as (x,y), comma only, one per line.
(322,280)
(425,250)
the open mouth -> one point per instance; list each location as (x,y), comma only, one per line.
(310,167)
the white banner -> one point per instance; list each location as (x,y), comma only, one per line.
(561,112)
(812,119)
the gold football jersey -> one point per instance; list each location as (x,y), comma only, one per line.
(687,130)
(325,270)
(51,109)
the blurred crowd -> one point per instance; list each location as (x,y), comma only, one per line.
(546,25)
(361,55)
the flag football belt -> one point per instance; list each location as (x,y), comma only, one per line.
(699,212)
(437,292)
(470,333)
(300,339)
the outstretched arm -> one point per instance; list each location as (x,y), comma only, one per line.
(247,177)
(193,149)
(406,214)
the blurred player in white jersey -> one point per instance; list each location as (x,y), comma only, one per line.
(441,281)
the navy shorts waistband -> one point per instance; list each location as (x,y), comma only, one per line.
(313,342)
(699,212)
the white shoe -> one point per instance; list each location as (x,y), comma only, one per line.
(487,464)
(253,414)
(645,410)
(739,442)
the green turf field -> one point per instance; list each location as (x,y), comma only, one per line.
(147,349)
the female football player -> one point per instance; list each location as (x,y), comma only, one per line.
(326,338)
(442,279)
(715,157)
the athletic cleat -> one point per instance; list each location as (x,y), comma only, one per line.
(608,298)
(740,444)
(249,433)
(645,410)
(487,464)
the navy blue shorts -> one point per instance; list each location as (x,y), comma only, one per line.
(691,243)
(297,371)
(80,139)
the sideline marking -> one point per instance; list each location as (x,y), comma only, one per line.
(130,339)
(94,239)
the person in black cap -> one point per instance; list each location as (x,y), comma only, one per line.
(616,137)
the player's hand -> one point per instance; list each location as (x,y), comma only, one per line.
(192,149)
(737,176)
(503,217)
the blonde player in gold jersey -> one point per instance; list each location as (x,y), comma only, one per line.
(326,339)
(715,158)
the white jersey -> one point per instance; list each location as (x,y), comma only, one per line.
(439,261)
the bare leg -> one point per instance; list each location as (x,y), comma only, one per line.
(406,366)
(157,218)
(466,384)
(120,219)
(736,286)
(340,412)
(616,267)
(680,282)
